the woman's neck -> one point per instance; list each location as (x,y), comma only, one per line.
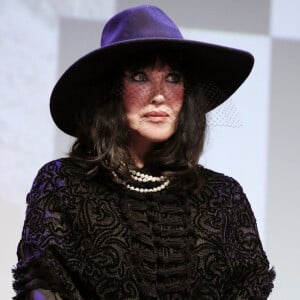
(139,148)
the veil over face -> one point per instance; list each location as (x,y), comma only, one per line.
(152,100)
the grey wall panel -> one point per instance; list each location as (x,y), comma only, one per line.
(283,209)
(77,37)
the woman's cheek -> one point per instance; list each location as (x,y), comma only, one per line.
(136,96)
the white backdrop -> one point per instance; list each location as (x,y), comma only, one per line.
(39,39)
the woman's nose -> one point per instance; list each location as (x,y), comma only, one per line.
(158,92)
(158,98)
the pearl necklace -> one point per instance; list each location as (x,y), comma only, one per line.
(141,177)
(138,176)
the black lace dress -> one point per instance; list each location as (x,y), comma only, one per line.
(93,239)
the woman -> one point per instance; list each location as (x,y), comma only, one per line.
(130,214)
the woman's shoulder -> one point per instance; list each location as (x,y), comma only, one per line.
(215,176)
(220,182)
(221,191)
(62,166)
(55,177)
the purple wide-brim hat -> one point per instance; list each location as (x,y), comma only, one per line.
(138,29)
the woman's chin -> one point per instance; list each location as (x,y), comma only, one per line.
(153,135)
(157,138)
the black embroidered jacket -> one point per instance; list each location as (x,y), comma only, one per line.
(93,239)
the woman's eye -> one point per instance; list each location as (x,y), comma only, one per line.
(138,76)
(174,77)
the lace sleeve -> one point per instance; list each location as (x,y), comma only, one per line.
(251,278)
(42,251)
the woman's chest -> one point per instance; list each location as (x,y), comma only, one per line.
(155,248)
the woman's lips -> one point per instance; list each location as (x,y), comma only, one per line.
(156,116)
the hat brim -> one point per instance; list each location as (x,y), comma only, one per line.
(224,67)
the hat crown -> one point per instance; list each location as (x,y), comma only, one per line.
(139,23)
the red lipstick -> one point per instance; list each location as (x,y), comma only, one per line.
(156,114)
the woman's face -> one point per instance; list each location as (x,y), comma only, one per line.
(152,100)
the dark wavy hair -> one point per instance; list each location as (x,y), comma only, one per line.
(102,143)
